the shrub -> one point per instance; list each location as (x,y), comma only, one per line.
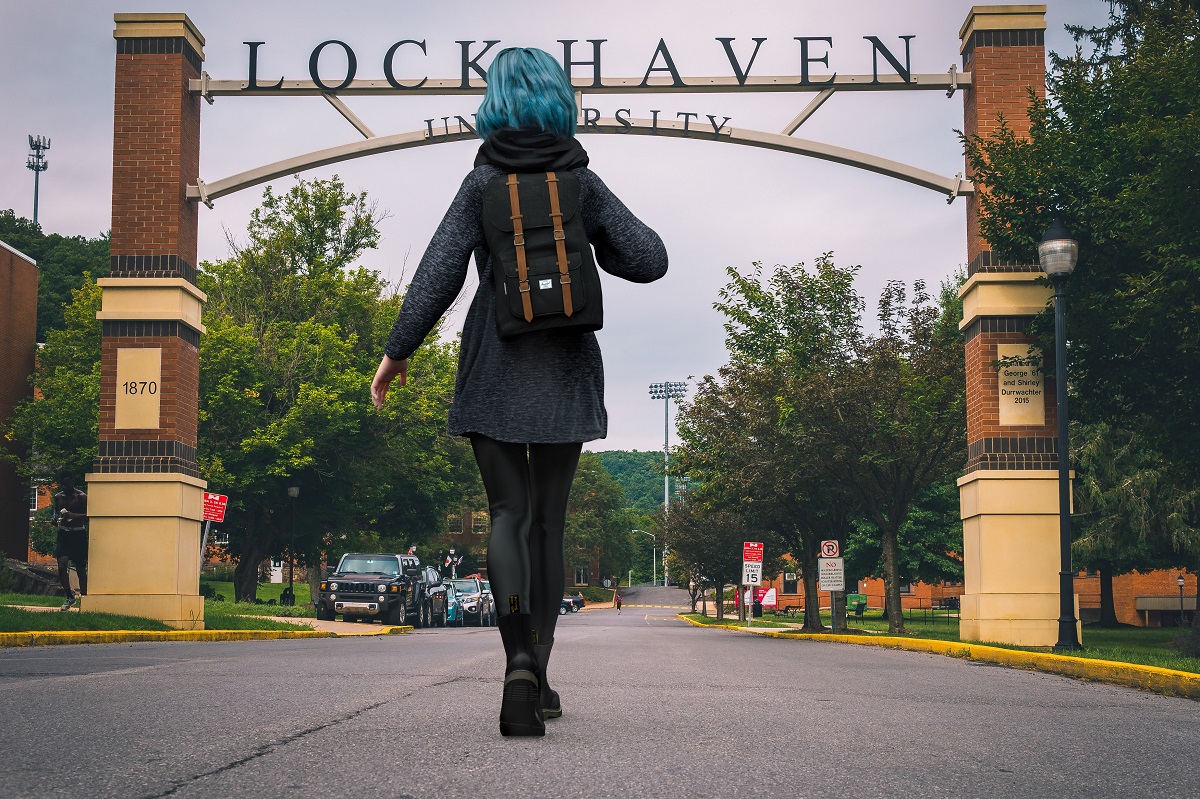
(42,533)
(6,575)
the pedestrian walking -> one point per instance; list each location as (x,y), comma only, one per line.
(527,401)
(71,542)
(618,604)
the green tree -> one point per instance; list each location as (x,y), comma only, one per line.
(294,336)
(640,475)
(747,443)
(1132,510)
(706,546)
(63,265)
(892,418)
(598,520)
(59,426)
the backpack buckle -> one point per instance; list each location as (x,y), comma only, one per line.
(524,286)
(560,235)
(519,240)
(564,280)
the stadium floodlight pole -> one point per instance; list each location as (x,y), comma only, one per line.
(667,392)
(38,162)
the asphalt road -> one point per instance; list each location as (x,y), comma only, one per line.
(652,707)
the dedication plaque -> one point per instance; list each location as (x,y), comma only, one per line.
(1022,385)
(139,379)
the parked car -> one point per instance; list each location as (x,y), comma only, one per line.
(454,611)
(566,607)
(475,604)
(577,602)
(395,589)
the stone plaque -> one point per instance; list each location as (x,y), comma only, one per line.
(1022,386)
(139,384)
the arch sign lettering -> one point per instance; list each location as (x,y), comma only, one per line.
(890,71)
(146,493)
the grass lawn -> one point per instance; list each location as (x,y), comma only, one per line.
(31,599)
(15,620)
(266,592)
(1148,646)
(217,616)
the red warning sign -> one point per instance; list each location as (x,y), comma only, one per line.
(752,551)
(214,507)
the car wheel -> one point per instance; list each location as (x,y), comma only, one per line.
(562,610)
(574,608)
(443,620)
(428,610)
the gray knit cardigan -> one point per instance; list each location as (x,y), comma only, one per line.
(542,387)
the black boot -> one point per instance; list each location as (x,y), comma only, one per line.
(551,706)
(521,708)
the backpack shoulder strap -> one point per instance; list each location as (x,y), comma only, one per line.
(514,201)
(560,242)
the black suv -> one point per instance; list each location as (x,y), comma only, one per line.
(396,589)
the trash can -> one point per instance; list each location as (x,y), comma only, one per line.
(756,609)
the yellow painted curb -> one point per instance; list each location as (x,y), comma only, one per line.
(1150,678)
(47,638)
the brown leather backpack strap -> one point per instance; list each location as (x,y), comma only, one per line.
(514,200)
(560,243)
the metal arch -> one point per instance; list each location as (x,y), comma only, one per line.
(948,186)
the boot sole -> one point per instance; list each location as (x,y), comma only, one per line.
(520,708)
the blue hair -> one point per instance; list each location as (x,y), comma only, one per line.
(526,88)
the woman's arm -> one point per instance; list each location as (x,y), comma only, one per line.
(625,246)
(438,280)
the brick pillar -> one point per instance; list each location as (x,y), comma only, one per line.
(18,331)
(1009,492)
(144,495)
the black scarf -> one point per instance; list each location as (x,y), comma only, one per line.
(526,150)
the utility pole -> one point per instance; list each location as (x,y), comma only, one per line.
(38,162)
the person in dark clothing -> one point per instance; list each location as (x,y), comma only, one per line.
(529,402)
(70,514)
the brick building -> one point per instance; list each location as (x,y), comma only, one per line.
(1143,599)
(18,331)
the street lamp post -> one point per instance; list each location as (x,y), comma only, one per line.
(1179,582)
(293,493)
(1057,254)
(653,556)
(453,565)
(667,392)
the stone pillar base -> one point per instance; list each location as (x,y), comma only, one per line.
(1010,557)
(1016,619)
(181,611)
(144,547)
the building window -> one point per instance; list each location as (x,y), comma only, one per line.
(790,583)
(906,588)
(33,500)
(581,576)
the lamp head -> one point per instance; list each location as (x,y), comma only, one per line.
(1179,581)
(1057,251)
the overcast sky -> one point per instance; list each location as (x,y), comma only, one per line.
(715,205)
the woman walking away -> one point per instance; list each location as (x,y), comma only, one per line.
(530,384)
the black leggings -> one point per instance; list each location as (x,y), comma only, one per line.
(527,487)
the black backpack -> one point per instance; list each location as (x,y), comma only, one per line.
(542,265)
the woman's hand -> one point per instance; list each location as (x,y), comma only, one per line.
(388,369)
